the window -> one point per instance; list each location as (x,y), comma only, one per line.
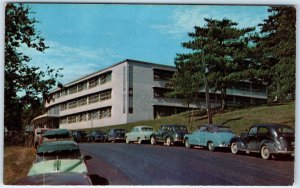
(63,106)
(93,98)
(82,86)
(263,130)
(253,130)
(105,95)
(93,83)
(64,92)
(81,117)
(72,119)
(73,90)
(159,74)
(82,101)
(72,104)
(105,78)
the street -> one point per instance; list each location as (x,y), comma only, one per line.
(134,164)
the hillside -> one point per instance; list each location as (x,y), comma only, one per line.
(239,120)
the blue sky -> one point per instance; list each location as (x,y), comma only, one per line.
(84,38)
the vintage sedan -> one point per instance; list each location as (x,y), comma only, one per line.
(96,136)
(139,134)
(169,134)
(210,136)
(116,135)
(266,139)
(62,178)
(58,156)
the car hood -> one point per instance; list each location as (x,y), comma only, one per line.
(58,165)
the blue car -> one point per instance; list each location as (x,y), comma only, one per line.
(210,136)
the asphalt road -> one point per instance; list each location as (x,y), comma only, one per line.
(134,164)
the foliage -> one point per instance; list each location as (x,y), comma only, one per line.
(24,85)
(223,49)
(276,47)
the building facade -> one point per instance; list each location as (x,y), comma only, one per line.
(126,92)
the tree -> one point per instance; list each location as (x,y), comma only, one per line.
(24,85)
(223,49)
(276,47)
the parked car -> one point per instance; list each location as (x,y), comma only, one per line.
(96,136)
(169,134)
(210,136)
(79,136)
(266,139)
(60,178)
(38,136)
(116,135)
(139,134)
(56,134)
(58,156)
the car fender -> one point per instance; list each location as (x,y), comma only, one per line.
(240,143)
(270,144)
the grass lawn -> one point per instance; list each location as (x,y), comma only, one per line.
(17,161)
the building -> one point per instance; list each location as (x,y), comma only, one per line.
(128,91)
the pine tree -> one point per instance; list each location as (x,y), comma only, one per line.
(223,49)
(276,47)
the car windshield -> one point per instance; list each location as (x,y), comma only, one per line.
(180,128)
(147,129)
(120,131)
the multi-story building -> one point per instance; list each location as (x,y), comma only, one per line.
(126,92)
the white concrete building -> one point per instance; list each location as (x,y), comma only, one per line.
(126,92)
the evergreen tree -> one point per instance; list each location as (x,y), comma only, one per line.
(223,49)
(23,85)
(276,48)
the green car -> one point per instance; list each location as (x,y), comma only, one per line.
(139,134)
(58,156)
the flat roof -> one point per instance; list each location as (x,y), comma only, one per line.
(103,70)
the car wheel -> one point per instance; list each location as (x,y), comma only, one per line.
(210,146)
(127,141)
(234,148)
(139,141)
(152,140)
(186,143)
(168,141)
(265,152)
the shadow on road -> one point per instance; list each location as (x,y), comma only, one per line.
(97,180)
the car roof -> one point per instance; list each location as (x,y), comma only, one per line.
(271,125)
(61,178)
(57,133)
(49,147)
(174,125)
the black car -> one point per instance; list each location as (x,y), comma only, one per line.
(169,134)
(116,135)
(96,136)
(266,139)
(79,136)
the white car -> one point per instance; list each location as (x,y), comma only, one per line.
(139,134)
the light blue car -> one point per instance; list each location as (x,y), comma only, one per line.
(210,136)
(139,134)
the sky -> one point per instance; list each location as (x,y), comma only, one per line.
(85,38)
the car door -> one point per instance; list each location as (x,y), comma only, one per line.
(202,136)
(251,138)
(164,132)
(263,134)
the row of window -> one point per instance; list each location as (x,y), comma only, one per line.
(85,116)
(93,82)
(96,97)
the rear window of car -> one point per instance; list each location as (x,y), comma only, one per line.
(147,129)
(286,130)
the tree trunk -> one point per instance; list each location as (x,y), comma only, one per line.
(224,97)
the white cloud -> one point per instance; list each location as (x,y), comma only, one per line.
(75,61)
(183,20)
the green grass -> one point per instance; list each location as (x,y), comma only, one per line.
(239,119)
